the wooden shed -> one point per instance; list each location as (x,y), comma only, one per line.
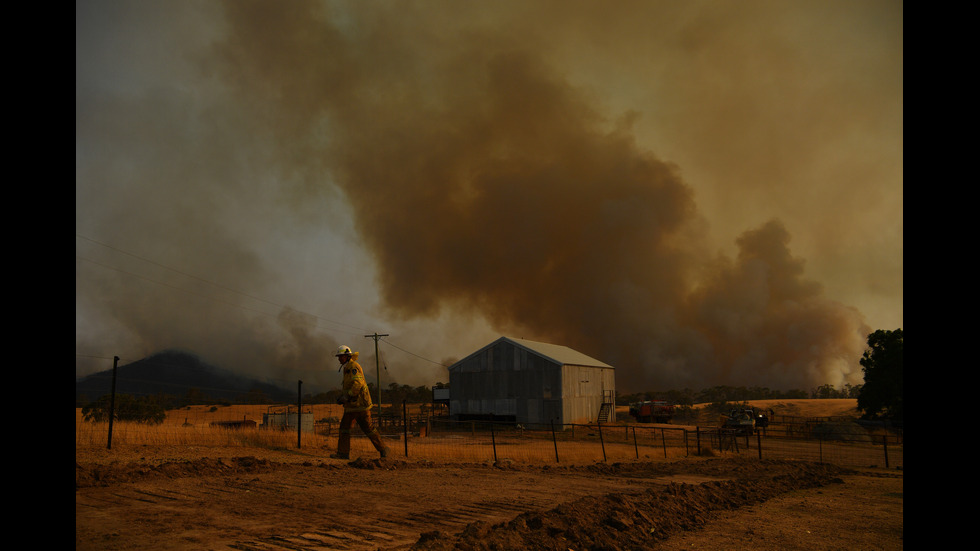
(528,382)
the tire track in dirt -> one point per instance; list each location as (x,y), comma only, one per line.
(399,531)
(403,524)
(248,505)
(304,496)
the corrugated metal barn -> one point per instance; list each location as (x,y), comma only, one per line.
(530,382)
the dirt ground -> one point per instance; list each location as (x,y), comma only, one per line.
(264,500)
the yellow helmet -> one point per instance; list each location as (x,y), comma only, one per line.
(344,350)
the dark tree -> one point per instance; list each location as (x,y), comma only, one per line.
(141,409)
(882,393)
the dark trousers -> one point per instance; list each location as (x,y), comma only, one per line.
(363,419)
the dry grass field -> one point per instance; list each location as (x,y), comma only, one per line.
(841,407)
(209,488)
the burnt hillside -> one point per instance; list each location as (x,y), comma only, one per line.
(175,373)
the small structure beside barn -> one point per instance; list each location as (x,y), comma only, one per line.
(441,396)
(288,418)
(243,424)
(528,382)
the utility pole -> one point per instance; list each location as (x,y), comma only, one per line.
(377,365)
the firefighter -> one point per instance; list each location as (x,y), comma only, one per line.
(357,405)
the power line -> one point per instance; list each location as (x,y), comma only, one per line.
(413,354)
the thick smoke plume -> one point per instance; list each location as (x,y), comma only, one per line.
(485,183)
(480,178)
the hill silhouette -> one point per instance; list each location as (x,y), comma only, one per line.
(175,373)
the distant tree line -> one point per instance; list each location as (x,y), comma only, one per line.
(139,409)
(687,397)
(193,397)
(722,393)
(882,394)
(828,391)
(394,394)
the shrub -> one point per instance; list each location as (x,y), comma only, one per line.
(143,409)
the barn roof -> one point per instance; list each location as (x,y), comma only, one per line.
(557,353)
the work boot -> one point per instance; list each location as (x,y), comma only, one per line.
(338,456)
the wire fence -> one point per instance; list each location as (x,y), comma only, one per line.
(418,434)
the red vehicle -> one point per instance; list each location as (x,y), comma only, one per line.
(656,411)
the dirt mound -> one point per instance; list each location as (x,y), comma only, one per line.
(633,521)
(105,475)
(166,501)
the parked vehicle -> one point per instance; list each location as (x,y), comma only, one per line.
(741,420)
(745,420)
(655,411)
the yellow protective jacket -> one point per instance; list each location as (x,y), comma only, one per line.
(355,389)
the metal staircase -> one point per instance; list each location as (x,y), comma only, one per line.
(607,410)
(604,411)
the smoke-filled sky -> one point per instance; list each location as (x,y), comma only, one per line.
(698,193)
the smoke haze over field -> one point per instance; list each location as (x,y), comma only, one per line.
(697,193)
